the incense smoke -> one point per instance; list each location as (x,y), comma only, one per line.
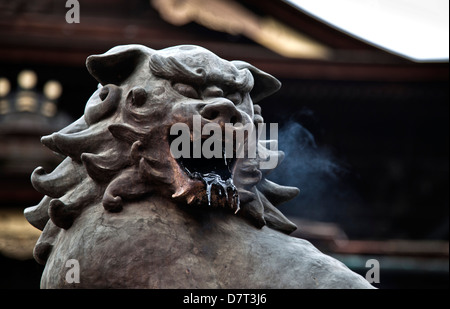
(325,194)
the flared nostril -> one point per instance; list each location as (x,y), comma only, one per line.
(221,112)
(211,114)
(234,120)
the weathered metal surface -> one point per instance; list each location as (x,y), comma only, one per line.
(134,216)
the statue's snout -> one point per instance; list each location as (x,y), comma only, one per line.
(221,111)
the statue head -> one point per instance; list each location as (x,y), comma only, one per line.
(122,148)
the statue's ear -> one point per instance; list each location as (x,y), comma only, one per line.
(117,64)
(265,84)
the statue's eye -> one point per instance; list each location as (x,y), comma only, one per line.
(235,97)
(186,90)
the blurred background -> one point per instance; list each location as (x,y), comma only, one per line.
(365,128)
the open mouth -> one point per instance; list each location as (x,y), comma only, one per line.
(217,177)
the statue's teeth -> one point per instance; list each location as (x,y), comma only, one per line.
(190,199)
(180,192)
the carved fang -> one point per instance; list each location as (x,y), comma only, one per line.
(190,199)
(181,192)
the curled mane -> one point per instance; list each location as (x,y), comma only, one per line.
(110,157)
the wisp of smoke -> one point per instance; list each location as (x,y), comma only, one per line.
(324,193)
